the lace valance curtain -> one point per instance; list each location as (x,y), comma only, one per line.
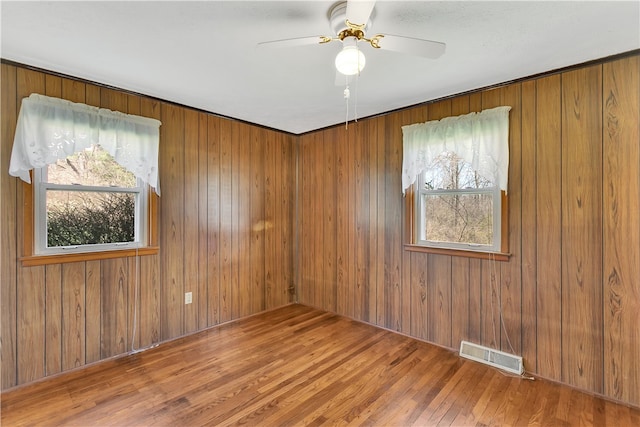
(481,139)
(49,129)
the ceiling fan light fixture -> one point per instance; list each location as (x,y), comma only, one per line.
(350,60)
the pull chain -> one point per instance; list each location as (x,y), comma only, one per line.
(355,106)
(347,95)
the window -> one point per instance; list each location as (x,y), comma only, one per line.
(88,202)
(92,170)
(457,208)
(455,175)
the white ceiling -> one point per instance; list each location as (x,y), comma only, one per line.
(203,54)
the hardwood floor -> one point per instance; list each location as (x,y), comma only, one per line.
(301,366)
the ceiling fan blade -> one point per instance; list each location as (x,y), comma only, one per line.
(359,11)
(298,41)
(412,46)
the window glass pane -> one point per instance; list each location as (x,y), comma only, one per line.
(82,218)
(450,172)
(459,218)
(93,167)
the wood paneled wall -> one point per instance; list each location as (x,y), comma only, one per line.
(225,229)
(568,299)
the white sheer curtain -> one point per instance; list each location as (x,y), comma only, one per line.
(481,139)
(49,129)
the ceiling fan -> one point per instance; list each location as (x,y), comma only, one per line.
(350,21)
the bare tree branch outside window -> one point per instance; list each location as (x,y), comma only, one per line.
(456,204)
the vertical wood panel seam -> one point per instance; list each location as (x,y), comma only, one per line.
(161,278)
(183,312)
(84,303)
(296,244)
(468,331)
(534,140)
(17,213)
(638,207)
(603,110)
(206,183)
(44,320)
(451,302)
(263,300)
(62,331)
(562,172)
(251,179)
(521,326)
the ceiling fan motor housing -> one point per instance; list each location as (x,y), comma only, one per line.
(338,19)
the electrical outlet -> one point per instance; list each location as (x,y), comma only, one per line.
(188,298)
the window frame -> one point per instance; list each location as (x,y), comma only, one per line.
(42,185)
(410,232)
(494,191)
(29,258)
